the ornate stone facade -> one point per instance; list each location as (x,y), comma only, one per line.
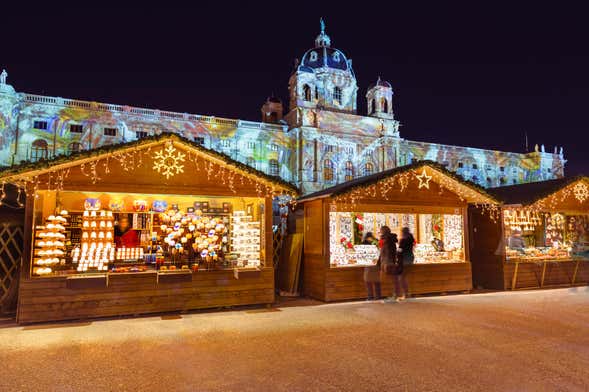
(321,141)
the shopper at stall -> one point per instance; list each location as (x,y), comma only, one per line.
(372,273)
(388,253)
(125,236)
(405,257)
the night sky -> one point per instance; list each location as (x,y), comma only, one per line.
(470,75)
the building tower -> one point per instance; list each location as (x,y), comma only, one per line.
(324,78)
(272,110)
(380,99)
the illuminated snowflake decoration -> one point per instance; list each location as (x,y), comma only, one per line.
(424,180)
(168,162)
(581,192)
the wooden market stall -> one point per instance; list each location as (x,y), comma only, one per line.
(424,196)
(541,239)
(159,224)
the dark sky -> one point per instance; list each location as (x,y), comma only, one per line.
(470,75)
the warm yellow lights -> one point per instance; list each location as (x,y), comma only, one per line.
(169,161)
(424,179)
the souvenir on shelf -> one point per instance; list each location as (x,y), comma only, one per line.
(49,245)
(96,248)
(246,239)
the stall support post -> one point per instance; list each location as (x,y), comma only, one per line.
(514,279)
(25,267)
(575,272)
(543,274)
(269,246)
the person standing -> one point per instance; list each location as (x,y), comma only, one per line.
(388,252)
(372,273)
(405,257)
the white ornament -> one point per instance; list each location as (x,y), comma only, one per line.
(581,192)
(168,162)
(424,180)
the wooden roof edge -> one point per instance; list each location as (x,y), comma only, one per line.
(344,188)
(25,169)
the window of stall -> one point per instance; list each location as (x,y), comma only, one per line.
(84,232)
(439,237)
(538,236)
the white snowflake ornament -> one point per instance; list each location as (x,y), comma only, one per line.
(169,161)
(581,192)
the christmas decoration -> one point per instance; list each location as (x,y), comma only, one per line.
(424,179)
(168,162)
(581,192)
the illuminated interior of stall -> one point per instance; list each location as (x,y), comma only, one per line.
(439,237)
(534,235)
(85,232)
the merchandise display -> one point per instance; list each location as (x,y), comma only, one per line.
(439,237)
(246,240)
(49,244)
(168,234)
(545,236)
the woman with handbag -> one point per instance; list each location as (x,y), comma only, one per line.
(388,252)
(405,256)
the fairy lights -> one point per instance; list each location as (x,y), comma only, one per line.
(169,161)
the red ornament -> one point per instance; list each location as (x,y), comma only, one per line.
(350,245)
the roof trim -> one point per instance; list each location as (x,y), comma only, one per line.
(31,169)
(361,182)
(510,197)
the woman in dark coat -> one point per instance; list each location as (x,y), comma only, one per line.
(371,273)
(388,251)
(405,257)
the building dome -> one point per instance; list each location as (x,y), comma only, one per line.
(324,56)
(320,57)
(380,83)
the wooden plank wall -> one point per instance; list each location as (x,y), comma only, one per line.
(557,274)
(48,299)
(486,250)
(348,283)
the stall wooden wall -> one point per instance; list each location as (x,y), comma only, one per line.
(529,275)
(486,250)
(335,284)
(50,299)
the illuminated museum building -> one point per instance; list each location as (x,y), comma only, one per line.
(321,141)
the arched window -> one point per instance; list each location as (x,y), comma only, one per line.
(313,56)
(502,180)
(316,92)
(327,170)
(368,169)
(74,147)
(307,92)
(337,94)
(384,104)
(373,106)
(274,168)
(349,171)
(39,150)
(250,161)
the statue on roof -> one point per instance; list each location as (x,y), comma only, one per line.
(322,24)
(3,76)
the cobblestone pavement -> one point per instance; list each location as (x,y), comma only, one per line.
(516,341)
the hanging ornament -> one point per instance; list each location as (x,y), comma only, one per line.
(424,180)
(168,162)
(581,192)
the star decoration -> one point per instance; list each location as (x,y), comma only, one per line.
(168,161)
(581,192)
(424,180)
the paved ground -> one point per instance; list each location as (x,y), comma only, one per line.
(522,341)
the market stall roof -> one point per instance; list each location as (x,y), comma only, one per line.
(471,192)
(530,193)
(27,170)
